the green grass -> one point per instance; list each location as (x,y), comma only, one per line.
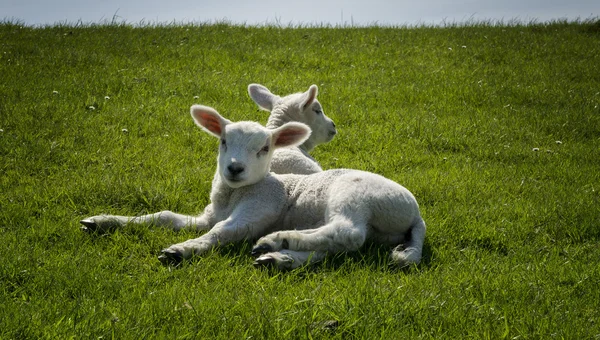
(452,113)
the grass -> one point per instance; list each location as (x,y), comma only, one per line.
(495,129)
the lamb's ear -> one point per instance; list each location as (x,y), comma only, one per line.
(262,96)
(209,119)
(309,96)
(290,134)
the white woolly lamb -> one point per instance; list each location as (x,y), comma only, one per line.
(298,218)
(298,107)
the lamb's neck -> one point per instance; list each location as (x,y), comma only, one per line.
(277,118)
(307,146)
(220,192)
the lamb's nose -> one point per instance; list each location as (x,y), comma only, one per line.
(235,168)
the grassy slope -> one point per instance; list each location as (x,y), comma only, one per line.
(451,113)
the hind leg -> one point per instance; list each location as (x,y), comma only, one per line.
(339,234)
(411,252)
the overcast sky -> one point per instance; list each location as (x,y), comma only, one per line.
(332,12)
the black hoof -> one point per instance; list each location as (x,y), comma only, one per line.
(88,226)
(264,262)
(261,249)
(170,257)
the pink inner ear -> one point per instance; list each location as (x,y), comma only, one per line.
(289,136)
(210,122)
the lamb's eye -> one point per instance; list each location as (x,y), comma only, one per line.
(223,143)
(264,150)
(318,112)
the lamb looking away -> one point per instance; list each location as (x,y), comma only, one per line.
(297,219)
(299,107)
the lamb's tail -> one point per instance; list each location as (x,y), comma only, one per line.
(411,252)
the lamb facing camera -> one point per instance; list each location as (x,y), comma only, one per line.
(297,219)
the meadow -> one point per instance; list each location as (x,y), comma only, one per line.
(495,129)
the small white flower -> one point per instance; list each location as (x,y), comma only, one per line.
(450,48)
(463,46)
(106,98)
(558,142)
(91,107)
(1,130)
(196,97)
(54,92)
(124,130)
(535,149)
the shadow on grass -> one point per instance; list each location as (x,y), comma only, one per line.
(371,255)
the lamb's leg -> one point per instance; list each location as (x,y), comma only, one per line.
(167,219)
(242,224)
(289,259)
(411,252)
(339,234)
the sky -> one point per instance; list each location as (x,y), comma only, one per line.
(304,12)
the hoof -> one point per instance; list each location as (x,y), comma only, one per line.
(261,249)
(88,226)
(170,257)
(100,224)
(264,261)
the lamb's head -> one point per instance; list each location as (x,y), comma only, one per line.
(299,107)
(246,148)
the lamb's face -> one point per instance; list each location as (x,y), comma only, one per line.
(298,107)
(244,154)
(246,147)
(323,128)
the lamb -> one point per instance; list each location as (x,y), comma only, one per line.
(297,219)
(300,107)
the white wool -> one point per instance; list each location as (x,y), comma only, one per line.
(297,219)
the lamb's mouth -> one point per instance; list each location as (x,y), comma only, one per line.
(235,182)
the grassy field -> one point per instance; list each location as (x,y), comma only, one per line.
(495,129)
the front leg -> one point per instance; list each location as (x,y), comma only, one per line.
(179,252)
(288,259)
(167,219)
(248,221)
